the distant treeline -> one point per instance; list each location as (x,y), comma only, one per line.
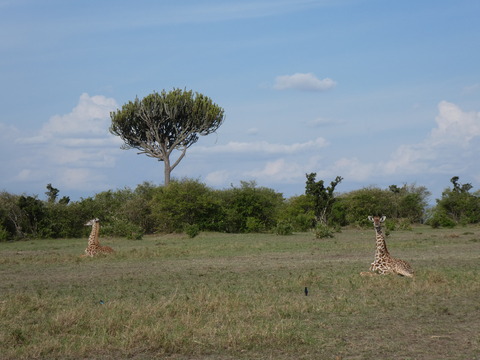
(190,206)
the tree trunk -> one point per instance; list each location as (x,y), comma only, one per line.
(167,171)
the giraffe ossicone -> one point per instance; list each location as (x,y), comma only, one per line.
(384,263)
(94,247)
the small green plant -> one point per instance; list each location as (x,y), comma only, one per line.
(192,230)
(323,231)
(337,228)
(284,227)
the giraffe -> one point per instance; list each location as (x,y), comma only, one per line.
(384,263)
(94,246)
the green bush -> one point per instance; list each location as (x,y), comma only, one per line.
(389,226)
(298,211)
(303,222)
(284,228)
(338,216)
(249,208)
(121,227)
(403,224)
(185,202)
(408,201)
(137,211)
(457,204)
(440,219)
(192,230)
(323,231)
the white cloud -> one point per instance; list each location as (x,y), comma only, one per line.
(304,82)
(451,146)
(290,169)
(471,89)
(89,118)
(91,143)
(8,131)
(80,157)
(24,174)
(74,148)
(217,178)
(409,159)
(320,122)
(454,126)
(264,147)
(279,170)
(266,162)
(352,169)
(220,11)
(81,178)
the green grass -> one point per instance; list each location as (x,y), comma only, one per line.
(228,296)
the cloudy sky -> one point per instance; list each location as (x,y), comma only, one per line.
(378,92)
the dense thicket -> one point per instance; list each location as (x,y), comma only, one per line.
(191,206)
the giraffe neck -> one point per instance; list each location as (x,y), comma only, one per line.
(381,249)
(97,233)
(93,238)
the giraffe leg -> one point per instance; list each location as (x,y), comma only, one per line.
(106,249)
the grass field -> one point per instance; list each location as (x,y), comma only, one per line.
(228,296)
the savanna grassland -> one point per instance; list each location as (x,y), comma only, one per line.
(230,296)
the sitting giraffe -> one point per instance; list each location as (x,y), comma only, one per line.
(94,246)
(384,263)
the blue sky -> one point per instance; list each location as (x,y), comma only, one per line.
(378,92)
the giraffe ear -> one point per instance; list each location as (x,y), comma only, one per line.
(383,218)
(370,218)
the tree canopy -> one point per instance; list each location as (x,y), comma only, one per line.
(457,205)
(163,122)
(323,197)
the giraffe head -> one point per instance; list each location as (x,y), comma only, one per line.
(377,221)
(91,222)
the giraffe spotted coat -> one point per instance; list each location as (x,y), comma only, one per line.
(384,263)
(94,247)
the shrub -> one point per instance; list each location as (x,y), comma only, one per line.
(185,202)
(323,231)
(389,226)
(284,227)
(249,208)
(303,222)
(440,219)
(120,227)
(458,204)
(403,224)
(192,230)
(298,211)
(408,201)
(3,234)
